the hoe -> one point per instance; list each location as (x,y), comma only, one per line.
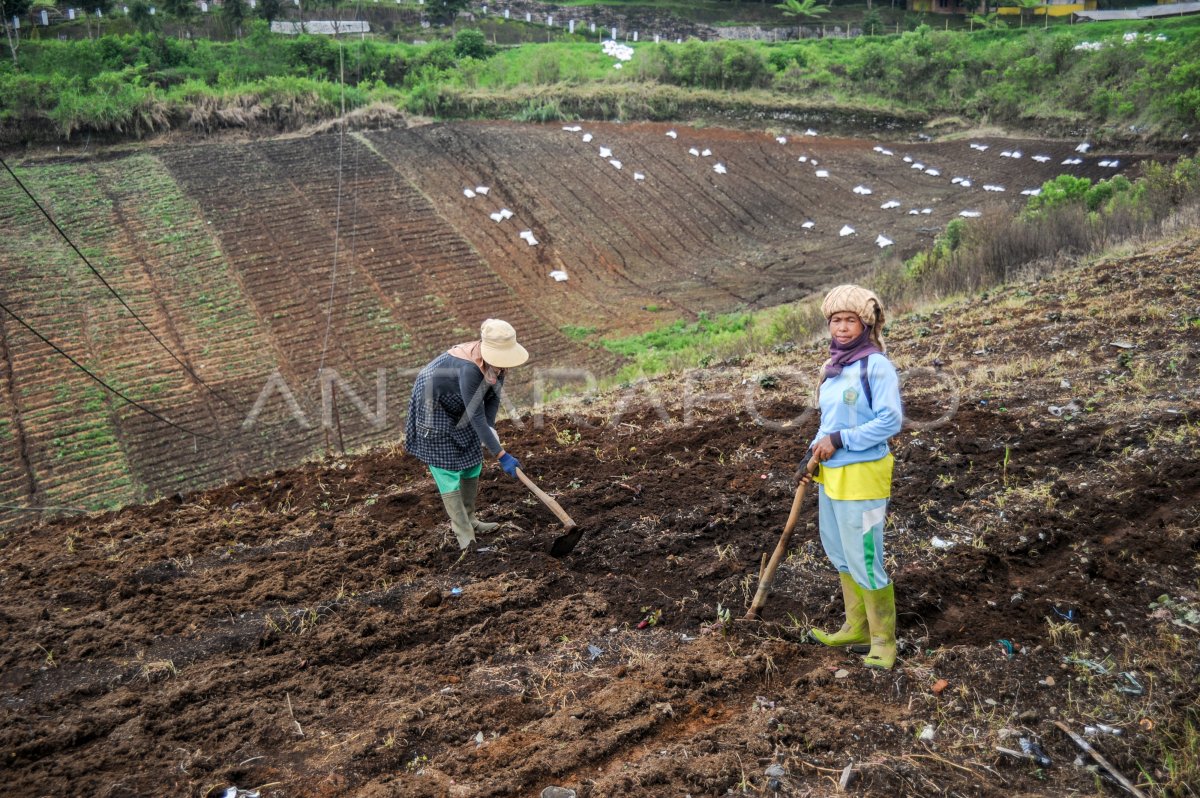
(767,573)
(563,544)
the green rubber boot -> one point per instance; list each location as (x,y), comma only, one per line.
(881,615)
(470,489)
(854,631)
(460,519)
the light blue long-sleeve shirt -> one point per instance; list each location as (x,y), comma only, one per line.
(865,427)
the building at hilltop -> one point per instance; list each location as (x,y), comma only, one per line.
(1054,8)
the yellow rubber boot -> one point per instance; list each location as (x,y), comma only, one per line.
(881,616)
(854,631)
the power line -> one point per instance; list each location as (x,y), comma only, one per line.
(106,386)
(112,290)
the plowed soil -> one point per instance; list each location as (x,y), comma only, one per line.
(258,264)
(312,632)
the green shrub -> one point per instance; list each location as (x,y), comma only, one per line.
(1062,190)
(470,43)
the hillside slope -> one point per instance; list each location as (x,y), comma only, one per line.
(308,633)
(259,263)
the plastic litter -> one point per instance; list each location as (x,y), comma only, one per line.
(1034,751)
(237,792)
(926,735)
(456,591)
(883,241)
(1087,663)
(846,230)
(1069,615)
(594,652)
(938,543)
(1130,685)
(559,276)
(719,168)
(1007,646)
(1102,728)
(822,173)
(558,792)
(1070,408)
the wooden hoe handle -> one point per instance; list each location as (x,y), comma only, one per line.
(768,574)
(546,500)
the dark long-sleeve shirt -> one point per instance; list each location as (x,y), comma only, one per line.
(451,413)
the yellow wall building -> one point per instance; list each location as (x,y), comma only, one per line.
(1055,8)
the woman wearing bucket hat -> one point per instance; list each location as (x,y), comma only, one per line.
(453,411)
(859,397)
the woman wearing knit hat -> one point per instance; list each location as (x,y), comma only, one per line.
(453,411)
(859,398)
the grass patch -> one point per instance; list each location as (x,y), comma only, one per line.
(138,84)
(577,333)
(680,344)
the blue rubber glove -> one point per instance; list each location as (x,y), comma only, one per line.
(510,464)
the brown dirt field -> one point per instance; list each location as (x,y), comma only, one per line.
(307,632)
(225,249)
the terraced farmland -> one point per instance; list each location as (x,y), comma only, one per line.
(227,252)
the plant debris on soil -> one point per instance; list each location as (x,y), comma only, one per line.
(315,632)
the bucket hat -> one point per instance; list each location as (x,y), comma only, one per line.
(500,347)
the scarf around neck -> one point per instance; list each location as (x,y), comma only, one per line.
(473,351)
(841,356)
